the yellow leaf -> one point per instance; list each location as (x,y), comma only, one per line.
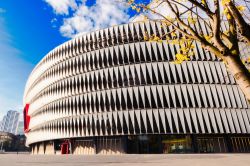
(208,38)
(191,20)
(179,58)
(225,11)
(241,8)
(234,52)
(224,2)
(229,17)
(173,34)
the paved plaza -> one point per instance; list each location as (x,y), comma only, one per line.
(126,160)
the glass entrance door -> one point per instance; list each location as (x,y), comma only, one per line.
(240,144)
(211,145)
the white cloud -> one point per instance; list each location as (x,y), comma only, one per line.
(53,20)
(62,6)
(54,23)
(101,14)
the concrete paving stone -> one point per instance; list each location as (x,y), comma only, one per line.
(126,160)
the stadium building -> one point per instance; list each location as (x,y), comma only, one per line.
(111,92)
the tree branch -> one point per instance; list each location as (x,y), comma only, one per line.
(216,29)
(168,21)
(203,8)
(196,36)
(244,27)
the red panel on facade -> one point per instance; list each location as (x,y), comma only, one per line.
(26,118)
(65,147)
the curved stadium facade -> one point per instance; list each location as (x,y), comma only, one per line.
(111,92)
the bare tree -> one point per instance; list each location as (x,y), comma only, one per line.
(183,14)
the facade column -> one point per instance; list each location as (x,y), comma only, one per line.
(95,145)
(228,143)
(70,146)
(125,143)
(194,143)
(160,144)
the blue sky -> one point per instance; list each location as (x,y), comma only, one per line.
(31,28)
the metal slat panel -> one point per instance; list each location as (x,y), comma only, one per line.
(237,96)
(218,120)
(230,120)
(125,114)
(194,119)
(235,120)
(200,118)
(169,119)
(231,94)
(208,72)
(242,98)
(156,117)
(246,120)
(212,118)
(144,118)
(132,117)
(181,116)
(188,118)
(241,121)
(191,95)
(120,115)
(175,117)
(224,120)
(162,117)
(220,95)
(215,95)
(150,117)
(138,118)
(206,118)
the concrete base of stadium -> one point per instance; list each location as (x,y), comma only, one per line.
(147,144)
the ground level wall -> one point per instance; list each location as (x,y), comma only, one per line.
(147,144)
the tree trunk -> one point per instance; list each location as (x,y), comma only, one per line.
(240,73)
(238,17)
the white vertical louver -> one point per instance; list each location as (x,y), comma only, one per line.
(111,82)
